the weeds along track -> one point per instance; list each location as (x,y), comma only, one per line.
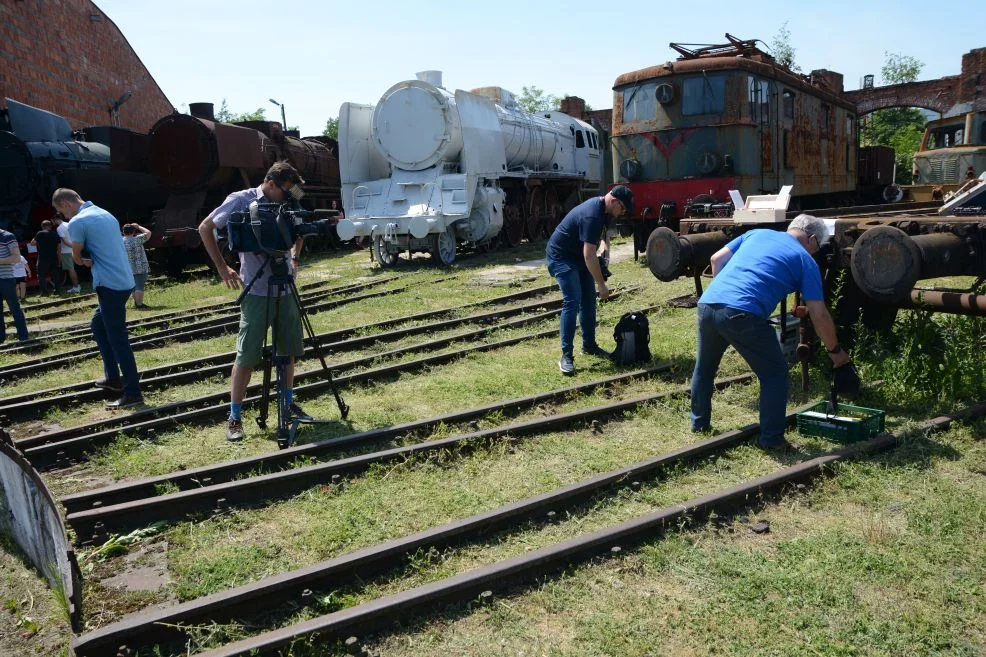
(174,319)
(30,405)
(57,448)
(157,627)
(224,324)
(102,519)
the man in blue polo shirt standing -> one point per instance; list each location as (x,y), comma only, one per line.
(98,232)
(751,275)
(573,261)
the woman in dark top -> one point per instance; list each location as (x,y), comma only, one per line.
(47,242)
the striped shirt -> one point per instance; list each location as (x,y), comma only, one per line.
(7,245)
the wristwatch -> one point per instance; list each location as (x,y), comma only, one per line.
(836,349)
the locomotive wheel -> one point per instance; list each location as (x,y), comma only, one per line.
(534,226)
(513,225)
(443,246)
(554,211)
(382,255)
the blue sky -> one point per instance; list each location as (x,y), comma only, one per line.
(313,56)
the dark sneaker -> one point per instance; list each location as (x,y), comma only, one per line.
(596,350)
(566,365)
(234,430)
(298,412)
(126,401)
(112,386)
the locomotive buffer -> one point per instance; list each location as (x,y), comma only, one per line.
(280,283)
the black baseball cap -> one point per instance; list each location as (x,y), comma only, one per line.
(623,194)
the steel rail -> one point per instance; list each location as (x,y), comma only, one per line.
(383,611)
(32,406)
(167,319)
(337,334)
(50,454)
(177,506)
(197,330)
(230,470)
(215,403)
(157,625)
(164,625)
(75,298)
(122,422)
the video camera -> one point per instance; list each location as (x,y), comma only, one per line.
(275,227)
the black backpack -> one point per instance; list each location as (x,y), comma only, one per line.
(632,335)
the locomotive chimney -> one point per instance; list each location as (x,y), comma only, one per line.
(202,111)
(434,78)
(573,106)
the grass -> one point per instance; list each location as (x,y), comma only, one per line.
(883,558)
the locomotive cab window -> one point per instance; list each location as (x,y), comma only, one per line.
(788,101)
(640,102)
(759,94)
(703,95)
(579,139)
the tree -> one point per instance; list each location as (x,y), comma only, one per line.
(898,127)
(533,100)
(782,48)
(899,68)
(224,115)
(332,128)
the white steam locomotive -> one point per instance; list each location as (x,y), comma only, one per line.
(426,170)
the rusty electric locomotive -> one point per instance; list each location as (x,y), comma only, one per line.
(731,117)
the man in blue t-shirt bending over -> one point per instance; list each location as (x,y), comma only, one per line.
(751,275)
(573,261)
(96,231)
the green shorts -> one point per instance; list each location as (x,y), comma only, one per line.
(253,328)
(68,264)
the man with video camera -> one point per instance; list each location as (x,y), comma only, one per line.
(282,182)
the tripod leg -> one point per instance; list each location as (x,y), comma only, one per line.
(280,368)
(316,345)
(266,361)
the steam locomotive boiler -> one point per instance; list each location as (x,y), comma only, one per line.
(39,153)
(201,161)
(427,169)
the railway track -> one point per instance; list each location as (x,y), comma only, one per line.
(196,330)
(283,459)
(58,447)
(166,626)
(167,319)
(96,522)
(33,404)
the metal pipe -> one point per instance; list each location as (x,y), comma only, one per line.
(955,303)
(887,262)
(670,255)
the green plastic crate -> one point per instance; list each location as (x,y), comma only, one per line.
(848,424)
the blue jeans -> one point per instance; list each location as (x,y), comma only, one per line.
(754,338)
(8,292)
(578,291)
(109,328)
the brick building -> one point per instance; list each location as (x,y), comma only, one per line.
(68,57)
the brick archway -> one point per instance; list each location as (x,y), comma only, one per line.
(941,95)
(938,95)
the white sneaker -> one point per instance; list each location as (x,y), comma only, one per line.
(75,290)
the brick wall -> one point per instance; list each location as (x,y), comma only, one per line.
(68,57)
(974,78)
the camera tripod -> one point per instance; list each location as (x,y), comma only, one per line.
(281,284)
